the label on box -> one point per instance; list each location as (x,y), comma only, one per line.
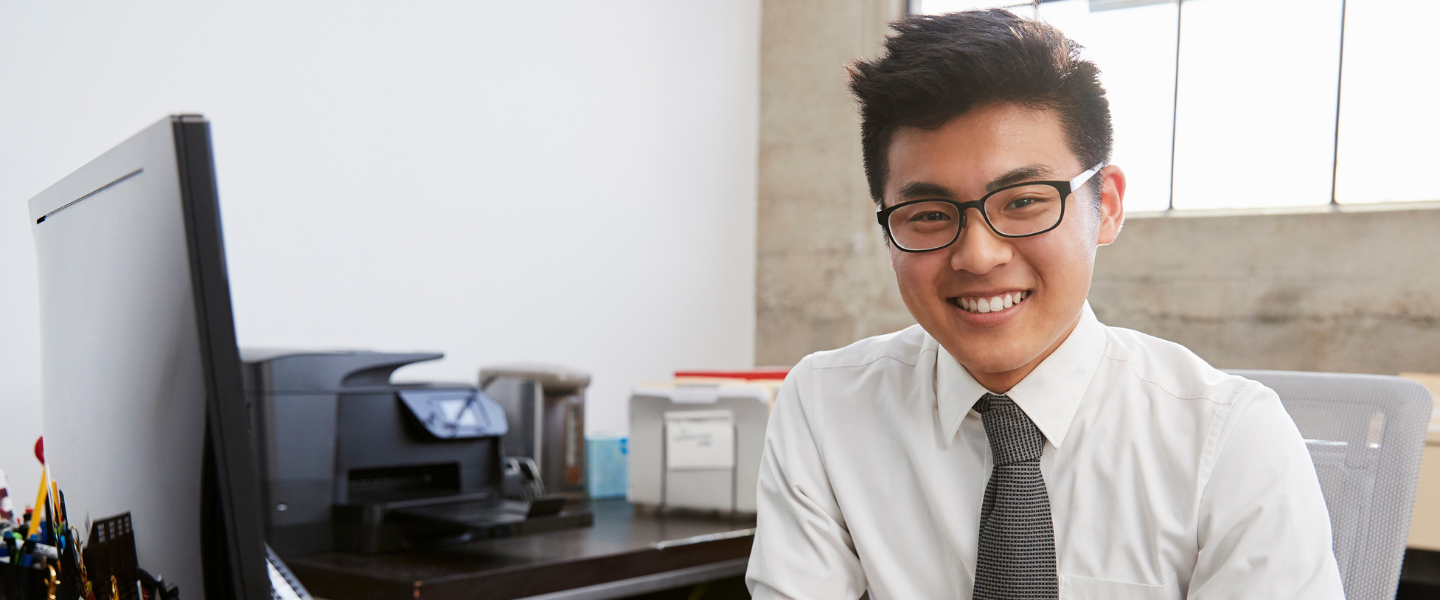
(695,394)
(699,439)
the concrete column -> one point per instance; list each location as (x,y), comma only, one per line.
(823,279)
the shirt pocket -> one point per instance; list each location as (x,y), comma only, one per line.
(1086,588)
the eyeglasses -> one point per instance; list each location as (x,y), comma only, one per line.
(1014,211)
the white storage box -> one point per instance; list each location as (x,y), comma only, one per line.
(696,444)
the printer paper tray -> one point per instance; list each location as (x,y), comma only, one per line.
(417,524)
(476,514)
(485,520)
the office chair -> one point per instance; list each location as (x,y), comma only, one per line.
(1365,434)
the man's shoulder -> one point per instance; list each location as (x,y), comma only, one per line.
(1173,370)
(905,346)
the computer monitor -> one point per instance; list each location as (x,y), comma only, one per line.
(141,383)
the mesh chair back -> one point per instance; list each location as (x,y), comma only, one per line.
(1365,434)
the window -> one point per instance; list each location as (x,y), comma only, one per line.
(1135,50)
(940,7)
(1248,93)
(1389,123)
(1255,115)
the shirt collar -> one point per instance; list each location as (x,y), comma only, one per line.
(1049,395)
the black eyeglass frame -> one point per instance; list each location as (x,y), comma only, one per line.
(1064,187)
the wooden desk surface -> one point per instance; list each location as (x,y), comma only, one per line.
(620,545)
(1425,520)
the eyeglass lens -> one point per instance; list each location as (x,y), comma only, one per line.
(1022,210)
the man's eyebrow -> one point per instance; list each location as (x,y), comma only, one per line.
(925,189)
(1018,175)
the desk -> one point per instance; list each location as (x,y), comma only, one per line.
(623,554)
(1425,520)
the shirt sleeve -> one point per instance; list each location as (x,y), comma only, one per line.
(1264,531)
(802,549)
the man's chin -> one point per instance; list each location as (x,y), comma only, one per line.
(990,361)
(989,370)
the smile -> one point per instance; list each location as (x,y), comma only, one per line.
(998,303)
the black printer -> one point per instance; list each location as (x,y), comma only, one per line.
(349,461)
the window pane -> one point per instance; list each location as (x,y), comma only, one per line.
(1255,121)
(940,7)
(1135,50)
(1389,126)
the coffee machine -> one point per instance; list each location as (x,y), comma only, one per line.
(545,406)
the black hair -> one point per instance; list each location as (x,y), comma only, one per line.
(936,68)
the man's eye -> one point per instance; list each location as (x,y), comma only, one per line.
(931,215)
(1020,203)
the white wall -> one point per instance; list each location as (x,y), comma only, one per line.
(570,182)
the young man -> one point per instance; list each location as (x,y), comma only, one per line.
(1010,445)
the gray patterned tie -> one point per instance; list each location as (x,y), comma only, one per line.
(1017,540)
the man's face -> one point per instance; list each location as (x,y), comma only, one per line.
(959,161)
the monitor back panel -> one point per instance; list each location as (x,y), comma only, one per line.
(122,375)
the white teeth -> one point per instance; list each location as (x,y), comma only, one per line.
(989,305)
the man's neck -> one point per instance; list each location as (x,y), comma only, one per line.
(1002,382)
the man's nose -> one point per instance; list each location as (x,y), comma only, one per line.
(979,249)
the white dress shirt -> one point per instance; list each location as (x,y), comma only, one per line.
(1167,478)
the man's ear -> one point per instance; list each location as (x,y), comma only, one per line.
(1112,204)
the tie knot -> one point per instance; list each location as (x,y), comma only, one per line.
(1014,438)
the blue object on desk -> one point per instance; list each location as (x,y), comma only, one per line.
(609,467)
